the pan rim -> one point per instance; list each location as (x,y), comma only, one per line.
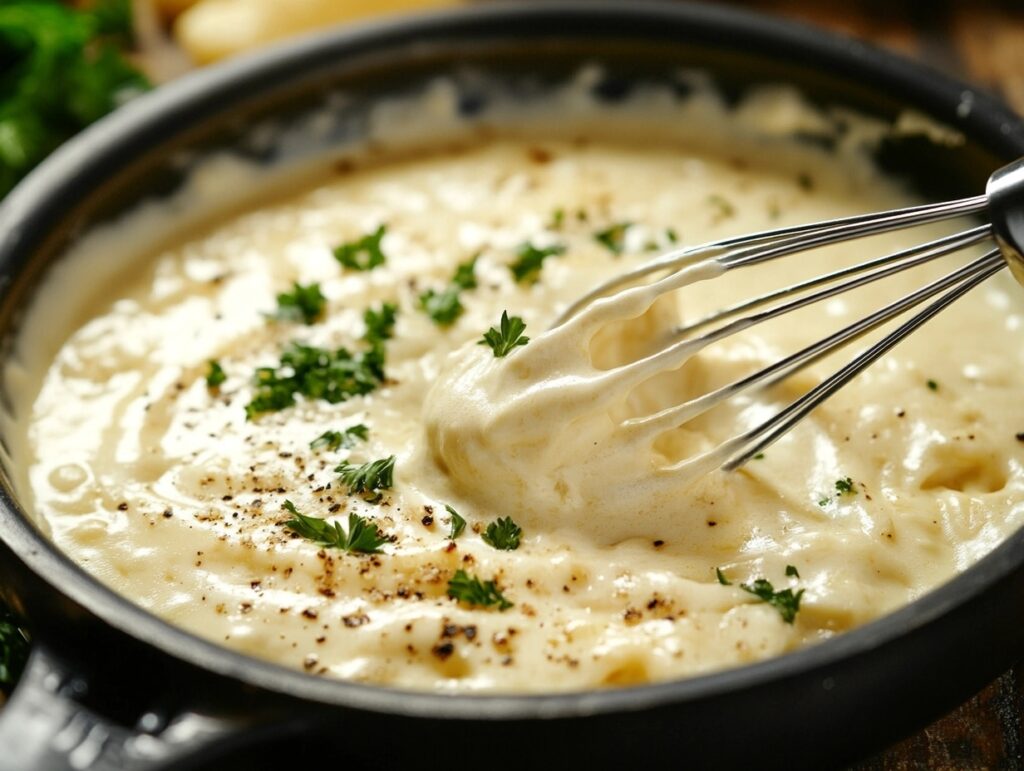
(996,124)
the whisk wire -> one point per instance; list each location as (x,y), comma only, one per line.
(964,280)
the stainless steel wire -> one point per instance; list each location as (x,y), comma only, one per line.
(758,248)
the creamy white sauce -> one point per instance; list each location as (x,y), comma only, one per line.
(165,492)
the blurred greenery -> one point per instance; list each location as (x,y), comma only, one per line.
(13,648)
(60,70)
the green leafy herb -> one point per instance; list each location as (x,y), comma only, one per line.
(303,303)
(380,323)
(472,591)
(215,375)
(362,536)
(333,440)
(503,534)
(13,647)
(457,522)
(465,273)
(530,260)
(671,236)
(785,601)
(445,306)
(364,253)
(845,486)
(724,207)
(315,373)
(721,577)
(792,572)
(60,70)
(504,338)
(557,219)
(613,238)
(759,456)
(932,385)
(369,478)
(824,501)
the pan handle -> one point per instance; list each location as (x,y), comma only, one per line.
(46,726)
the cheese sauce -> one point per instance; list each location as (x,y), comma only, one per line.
(161,487)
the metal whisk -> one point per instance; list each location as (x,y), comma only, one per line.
(1003,203)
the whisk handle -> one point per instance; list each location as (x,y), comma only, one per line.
(1005,192)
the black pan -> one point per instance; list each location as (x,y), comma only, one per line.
(110,686)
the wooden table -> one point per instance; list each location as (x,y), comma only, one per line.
(982,42)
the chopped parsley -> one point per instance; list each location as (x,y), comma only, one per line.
(13,647)
(380,324)
(333,440)
(364,253)
(472,591)
(613,238)
(503,534)
(369,478)
(671,236)
(504,338)
(721,577)
(457,522)
(215,375)
(445,306)
(932,385)
(362,536)
(303,303)
(530,259)
(759,456)
(824,501)
(557,219)
(792,572)
(724,207)
(785,601)
(316,373)
(845,486)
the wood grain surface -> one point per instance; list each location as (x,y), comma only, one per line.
(982,42)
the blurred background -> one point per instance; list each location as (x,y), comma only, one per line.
(64,65)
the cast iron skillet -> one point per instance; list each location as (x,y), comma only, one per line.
(110,686)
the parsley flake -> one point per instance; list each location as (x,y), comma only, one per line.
(613,238)
(785,601)
(369,478)
(380,323)
(303,303)
(530,260)
(723,206)
(792,572)
(503,534)
(215,375)
(472,591)
(932,385)
(333,440)
(504,338)
(845,486)
(445,306)
(457,522)
(362,536)
(721,577)
(364,253)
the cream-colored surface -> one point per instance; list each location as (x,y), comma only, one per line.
(215,29)
(167,494)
